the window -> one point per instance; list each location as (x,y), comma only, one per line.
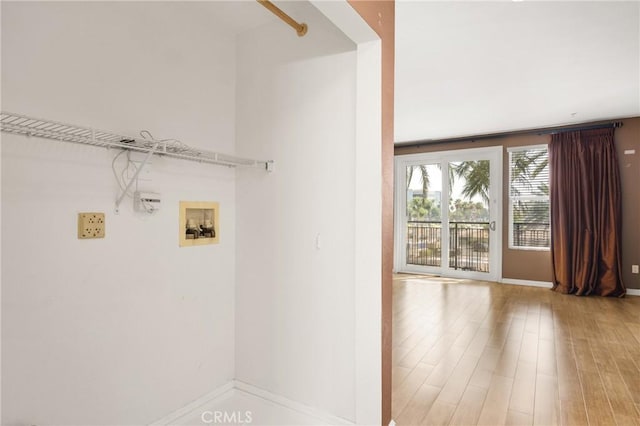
(529,198)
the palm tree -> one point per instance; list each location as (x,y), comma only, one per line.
(477,178)
(424,172)
(424,177)
(526,167)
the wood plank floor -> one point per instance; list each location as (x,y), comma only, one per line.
(470,352)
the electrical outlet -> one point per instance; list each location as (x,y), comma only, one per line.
(634,269)
(90,225)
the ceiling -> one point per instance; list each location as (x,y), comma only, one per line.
(473,68)
(227,17)
(237,16)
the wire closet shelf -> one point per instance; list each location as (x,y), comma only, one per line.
(29,126)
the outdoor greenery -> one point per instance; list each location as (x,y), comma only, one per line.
(423,209)
(468,211)
(528,175)
(476,177)
(424,176)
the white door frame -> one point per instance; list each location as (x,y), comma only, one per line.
(495,154)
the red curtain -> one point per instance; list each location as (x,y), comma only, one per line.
(586,213)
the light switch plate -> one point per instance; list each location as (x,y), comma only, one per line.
(635,269)
(90,225)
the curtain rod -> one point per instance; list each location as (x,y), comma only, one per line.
(553,131)
(301,28)
(539,132)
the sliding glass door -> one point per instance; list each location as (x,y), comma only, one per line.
(448,206)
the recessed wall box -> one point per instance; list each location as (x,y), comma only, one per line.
(147,202)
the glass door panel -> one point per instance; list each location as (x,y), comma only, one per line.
(424,215)
(469,215)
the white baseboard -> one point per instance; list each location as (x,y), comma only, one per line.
(194,405)
(326,418)
(630,291)
(529,283)
(223,391)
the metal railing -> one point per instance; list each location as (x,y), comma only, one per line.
(424,242)
(469,246)
(468,243)
(527,234)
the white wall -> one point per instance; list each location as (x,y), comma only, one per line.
(126,329)
(295,311)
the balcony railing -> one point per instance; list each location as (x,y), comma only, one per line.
(468,243)
(531,234)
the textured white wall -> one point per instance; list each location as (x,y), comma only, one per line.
(295,311)
(126,329)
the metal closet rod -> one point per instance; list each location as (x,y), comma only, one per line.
(301,28)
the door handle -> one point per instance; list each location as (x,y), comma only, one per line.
(492,225)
